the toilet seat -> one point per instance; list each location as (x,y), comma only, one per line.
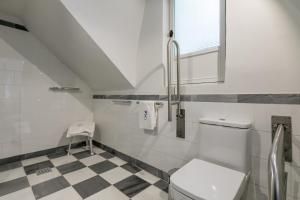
(201,180)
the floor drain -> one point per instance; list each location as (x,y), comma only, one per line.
(43,171)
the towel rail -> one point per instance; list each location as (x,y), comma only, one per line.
(64,89)
(121,102)
(159,104)
(156,103)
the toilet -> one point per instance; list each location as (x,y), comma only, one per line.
(222,169)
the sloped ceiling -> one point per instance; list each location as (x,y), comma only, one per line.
(97,39)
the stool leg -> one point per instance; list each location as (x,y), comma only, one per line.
(87,143)
(91,146)
(70,144)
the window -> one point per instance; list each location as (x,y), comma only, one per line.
(199,26)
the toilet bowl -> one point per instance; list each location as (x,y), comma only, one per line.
(201,180)
(221,172)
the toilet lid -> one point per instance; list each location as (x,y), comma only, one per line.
(203,180)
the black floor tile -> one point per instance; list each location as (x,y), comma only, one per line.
(132,185)
(10,166)
(57,154)
(70,167)
(83,154)
(91,186)
(102,167)
(13,186)
(49,187)
(131,168)
(163,185)
(31,169)
(106,155)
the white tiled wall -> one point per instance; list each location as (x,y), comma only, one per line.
(118,128)
(32,118)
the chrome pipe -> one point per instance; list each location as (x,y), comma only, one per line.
(169,80)
(169,55)
(276,172)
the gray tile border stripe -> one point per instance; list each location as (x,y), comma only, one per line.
(293,99)
(269,98)
(4,161)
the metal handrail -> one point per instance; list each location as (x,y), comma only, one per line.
(276,172)
(178,100)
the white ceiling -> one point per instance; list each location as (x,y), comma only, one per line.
(13,7)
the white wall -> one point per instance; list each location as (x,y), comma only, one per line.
(115,26)
(263,48)
(118,128)
(10,18)
(32,118)
(71,42)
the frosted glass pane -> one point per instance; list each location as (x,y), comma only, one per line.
(197,24)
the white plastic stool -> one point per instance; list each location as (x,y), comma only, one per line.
(89,144)
(85,129)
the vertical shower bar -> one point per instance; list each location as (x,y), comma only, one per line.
(169,81)
(178,77)
(178,98)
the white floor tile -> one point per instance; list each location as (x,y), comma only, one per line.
(79,175)
(92,160)
(151,193)
(110,193)
(67,193)
(97,150)
(12,174)
(147,177)
(24,194)
(34,160)
(36,179)
(117,161)
(63,160)
(115,175)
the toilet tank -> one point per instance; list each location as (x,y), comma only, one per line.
(226,143)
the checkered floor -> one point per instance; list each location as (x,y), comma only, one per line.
(79,176)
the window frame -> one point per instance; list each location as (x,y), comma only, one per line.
(221,49)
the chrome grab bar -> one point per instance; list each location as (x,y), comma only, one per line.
(178,100)
(276,173)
